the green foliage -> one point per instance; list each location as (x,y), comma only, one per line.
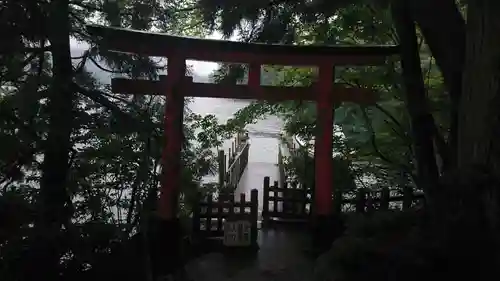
(374,246)
(376,139)
(300,168)
(116,140)
(374,143)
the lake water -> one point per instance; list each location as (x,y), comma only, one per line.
(263,135)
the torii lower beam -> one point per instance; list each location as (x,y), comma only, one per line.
(337,93)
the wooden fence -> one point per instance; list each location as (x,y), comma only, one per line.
(288,202)
(233,164)
(365,201)
(362,200)
(281,166)
(209,215)
(292,146)
(293,203)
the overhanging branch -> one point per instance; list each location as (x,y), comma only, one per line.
(377,149)
(99,97)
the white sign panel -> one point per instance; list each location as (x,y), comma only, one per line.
(237,233)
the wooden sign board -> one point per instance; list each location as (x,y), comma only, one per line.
(237,233)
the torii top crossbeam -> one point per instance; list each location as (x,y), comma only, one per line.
(175,86)
(162,45)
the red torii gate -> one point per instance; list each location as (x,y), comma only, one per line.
(176,85)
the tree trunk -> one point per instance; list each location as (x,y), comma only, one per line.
(443,28)
(422,121)
(472,198)
(53,201)
(479,109)
(479,122)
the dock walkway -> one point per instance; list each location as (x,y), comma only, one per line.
(282,254)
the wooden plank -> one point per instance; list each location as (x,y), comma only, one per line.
(217,204)
(213,233)
(287,215)
(281,189)
(215,216)
(283,199)
(270,93)
(157,44)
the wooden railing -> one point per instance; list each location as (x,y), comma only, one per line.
(291,202)
(288,202)
(380,199)
(281,168)
(363,200)
(295,151)
(233,164)
(209,215)
(290,143)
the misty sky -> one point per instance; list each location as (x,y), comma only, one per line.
(201,68)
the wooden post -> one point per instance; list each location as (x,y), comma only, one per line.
(324,142)
(209,213)
(385,195)
(281,167)
(196,215)
(370,208)
(303,199)
(265,203)
(242,204)
(247,150)
(233,176)
(231,206)
(338,201)
(220,212)
(237,172)
(254,199)
(222,168)
(407,197)
(360,200)
(225,170)
(287,197)
(275,201)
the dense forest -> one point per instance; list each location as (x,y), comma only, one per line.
(80,166)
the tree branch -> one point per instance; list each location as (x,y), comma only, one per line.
(102,68)
(86,6)
(375,146)
(99,97)
(4,50)
(402,133)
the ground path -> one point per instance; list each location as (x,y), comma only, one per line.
(282,254)
(281,257)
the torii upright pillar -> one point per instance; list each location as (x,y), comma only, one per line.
(171,173)
(165,233)
(324,141)
(326,224)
